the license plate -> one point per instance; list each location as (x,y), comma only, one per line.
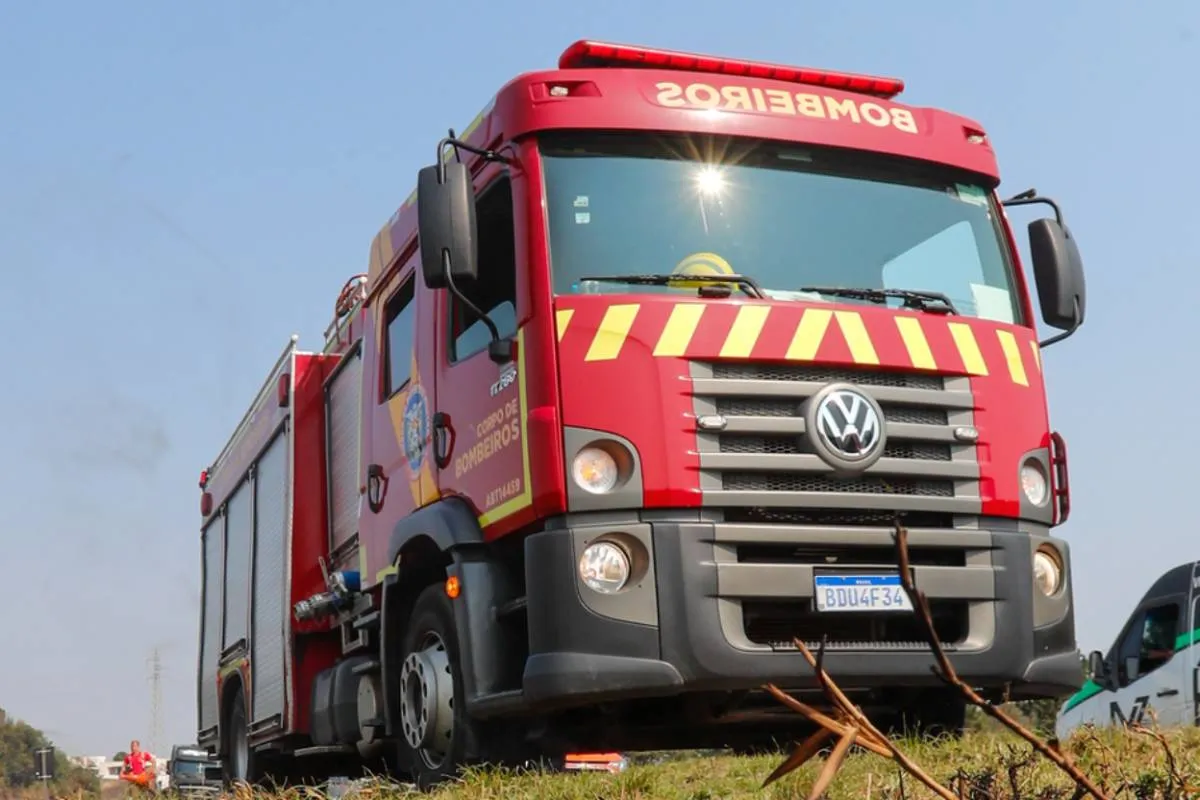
(860,593)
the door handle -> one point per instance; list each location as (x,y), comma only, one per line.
(377,484)
(1167,692)
(443,439)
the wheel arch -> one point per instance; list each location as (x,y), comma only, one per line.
(441,540)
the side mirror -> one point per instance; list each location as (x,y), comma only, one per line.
(1097,666)
(446,224)
(1058,271)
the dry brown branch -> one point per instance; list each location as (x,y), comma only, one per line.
(829,726)
(851,727)
(1015,763)
(945,671)
(1112,762)
(977,786)
(836,757)
(803,752)
(1175,780)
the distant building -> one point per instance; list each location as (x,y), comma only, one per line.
(109,770)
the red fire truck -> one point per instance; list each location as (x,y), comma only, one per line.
(636,384)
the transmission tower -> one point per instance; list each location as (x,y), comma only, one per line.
(155,663)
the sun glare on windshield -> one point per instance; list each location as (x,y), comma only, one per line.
(710,181)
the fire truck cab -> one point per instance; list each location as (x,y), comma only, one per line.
(636,385)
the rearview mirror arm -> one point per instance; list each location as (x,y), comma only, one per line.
(1058,337)
(499,350)
(1030,197)
(458,144)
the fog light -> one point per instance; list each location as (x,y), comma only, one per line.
(604,567)
(1033,482)
(1047,572)
(595,470)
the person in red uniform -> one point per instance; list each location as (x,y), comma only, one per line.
(139,766)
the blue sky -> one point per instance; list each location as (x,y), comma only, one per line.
(184,185)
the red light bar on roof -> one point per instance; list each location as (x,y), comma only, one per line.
(585,53)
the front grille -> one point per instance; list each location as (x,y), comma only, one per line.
(733,371)
(770,575)
(764,454)
(834,555)
(734,443)
(774,482)
(837,517)
(772,407)
(776,624)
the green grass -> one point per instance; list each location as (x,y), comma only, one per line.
(1135,764)
(1126,765)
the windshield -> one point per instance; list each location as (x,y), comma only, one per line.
(788,216)
(195,769)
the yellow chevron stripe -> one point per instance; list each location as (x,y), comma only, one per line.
(744,333)
(1037,355)
(610,335)
(968,348)
(374,264)
(1012,354)
(862,350)
(915,343)
(562,318)
(809,334)
(680,328)
(386,251)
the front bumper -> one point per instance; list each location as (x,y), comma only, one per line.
(198,790)
(718,603)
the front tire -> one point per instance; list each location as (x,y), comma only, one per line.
(435,731)
(931,715)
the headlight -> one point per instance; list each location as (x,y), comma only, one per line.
(595,471)
(1047,573)
(1033,483)
(604,567)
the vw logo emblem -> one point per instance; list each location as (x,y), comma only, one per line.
(846,427)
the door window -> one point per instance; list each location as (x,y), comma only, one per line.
(399,314)
(494,292)
(1194,622)
(1150,639)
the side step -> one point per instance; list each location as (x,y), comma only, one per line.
(495,704)
(325,750)
(367,621)
(366,668)
(511,607)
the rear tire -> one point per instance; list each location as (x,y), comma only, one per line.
(240,763)
(436,734)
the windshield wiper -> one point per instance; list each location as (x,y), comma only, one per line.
(748,284)
(934,302)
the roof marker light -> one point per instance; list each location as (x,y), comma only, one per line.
(586,53)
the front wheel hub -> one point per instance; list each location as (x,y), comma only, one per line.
(427,700)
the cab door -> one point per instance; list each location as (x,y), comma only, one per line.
(1148,671)
(397,477)
(1190,652)
(480,431)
